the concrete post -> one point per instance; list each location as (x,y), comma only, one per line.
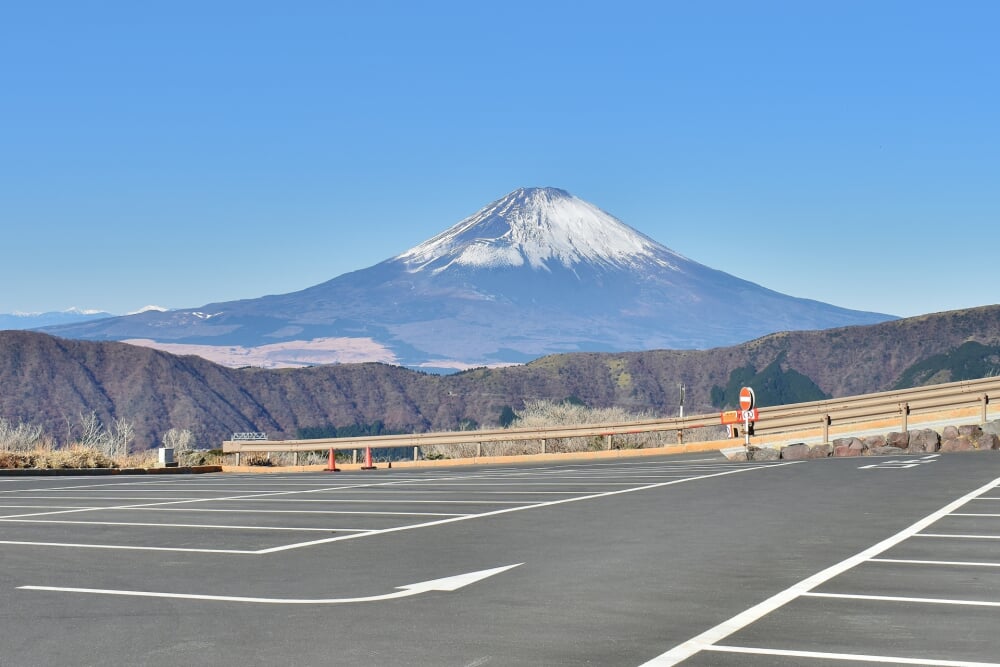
(166,457)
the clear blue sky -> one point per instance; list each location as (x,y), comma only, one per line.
(179,153)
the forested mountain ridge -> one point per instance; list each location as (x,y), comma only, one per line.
(51,381)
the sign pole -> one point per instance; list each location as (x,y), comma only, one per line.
(746,432)
(747,402)
(746,414)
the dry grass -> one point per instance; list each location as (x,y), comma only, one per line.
(81,456)
(290,458)
(72,457)
(196,457)
(25,445)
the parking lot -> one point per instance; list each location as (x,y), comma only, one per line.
(692,560)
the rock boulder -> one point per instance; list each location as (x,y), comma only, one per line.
(924,440)
(898,439)
(849,447)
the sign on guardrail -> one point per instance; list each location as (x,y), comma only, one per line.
(737,416)
(249,436)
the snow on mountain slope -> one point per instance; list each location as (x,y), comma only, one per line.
(536,226)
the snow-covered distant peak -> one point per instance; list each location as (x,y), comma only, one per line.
(84,311)
(146,309)
(37,320)
(535,226)
(71,312)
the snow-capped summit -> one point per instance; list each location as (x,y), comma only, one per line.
(538,227)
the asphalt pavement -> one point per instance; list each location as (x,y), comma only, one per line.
(683,560)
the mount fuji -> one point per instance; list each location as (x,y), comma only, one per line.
(539,271)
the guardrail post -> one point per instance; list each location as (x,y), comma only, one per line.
(296,457)
(354,456)
(608,438)
(826,429)
(680,436)
(416,453)
(985,398)
(543,445)
(237,459)
(905,409)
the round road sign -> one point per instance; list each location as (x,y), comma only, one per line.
(747,398)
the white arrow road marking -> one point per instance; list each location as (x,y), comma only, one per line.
(446,584)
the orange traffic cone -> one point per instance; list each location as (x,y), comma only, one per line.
(368,460)
(332,465)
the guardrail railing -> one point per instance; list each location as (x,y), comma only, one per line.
(895,407)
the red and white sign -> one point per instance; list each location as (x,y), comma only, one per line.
(747,398)
(739,416)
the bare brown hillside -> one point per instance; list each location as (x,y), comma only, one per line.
(51,381)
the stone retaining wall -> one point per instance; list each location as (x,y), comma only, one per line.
(964,438)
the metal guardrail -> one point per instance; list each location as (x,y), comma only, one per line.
(890,406)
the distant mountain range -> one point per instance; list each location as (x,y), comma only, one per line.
(21,321)
(534,273)
(50,381)
(17,321)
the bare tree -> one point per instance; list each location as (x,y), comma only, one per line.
(69,429)
(118,439)
(92,433)
(179,439)
(20,437)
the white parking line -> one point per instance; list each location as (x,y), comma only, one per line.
(125,547)
(430,492)
(370,501)
(713,636)
(257,511)
(188,525)
(517,483)
(848,656)
(961,537)
(900,561)
(234,511)
(898,598)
